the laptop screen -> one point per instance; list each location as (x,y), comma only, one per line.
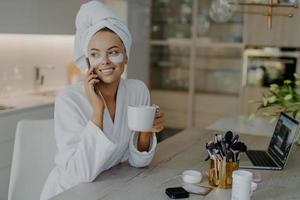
(282,139)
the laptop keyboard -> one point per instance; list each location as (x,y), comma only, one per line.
(260,158)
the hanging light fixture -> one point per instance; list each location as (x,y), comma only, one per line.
(269,13)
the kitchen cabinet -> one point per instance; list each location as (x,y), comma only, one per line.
(38,17)
(284,33)
(8,122)
(208,107)
(195,63)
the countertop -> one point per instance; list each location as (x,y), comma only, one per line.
(185,150)
(29,100)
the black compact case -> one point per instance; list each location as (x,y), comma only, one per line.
(177,193)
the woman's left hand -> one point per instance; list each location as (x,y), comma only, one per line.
(159,122)
(144,137)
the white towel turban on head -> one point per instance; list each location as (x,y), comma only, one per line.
(92,17)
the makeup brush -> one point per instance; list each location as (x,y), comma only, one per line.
(224,149)
(208,151)
(229,156)
(235,139)
(240,146)
(210,146)
(235,152)
(236,148)
(228,136)
(243,147)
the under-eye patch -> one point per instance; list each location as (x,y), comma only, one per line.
(114,58)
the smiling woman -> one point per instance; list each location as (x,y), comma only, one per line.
(91,122)
(105,53)
(114,53)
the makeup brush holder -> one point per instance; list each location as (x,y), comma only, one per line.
(220,174)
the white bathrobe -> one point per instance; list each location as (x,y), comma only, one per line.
(84,150)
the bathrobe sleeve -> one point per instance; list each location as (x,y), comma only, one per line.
(83,148)
(137,158)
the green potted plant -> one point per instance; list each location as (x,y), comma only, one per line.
(285,98)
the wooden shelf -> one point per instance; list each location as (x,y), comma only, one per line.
(216,94)
(197,92)
(171,41)
(199,42)
(175,90)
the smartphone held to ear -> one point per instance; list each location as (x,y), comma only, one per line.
(88,62)
(89,67)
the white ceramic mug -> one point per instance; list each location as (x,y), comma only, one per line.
(242,185)
(141,118)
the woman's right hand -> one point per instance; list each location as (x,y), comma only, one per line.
(96,101)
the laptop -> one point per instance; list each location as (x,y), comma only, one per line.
(275,158)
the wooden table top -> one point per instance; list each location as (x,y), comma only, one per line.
(185,150)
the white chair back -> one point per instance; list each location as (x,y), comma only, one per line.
(33,159)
